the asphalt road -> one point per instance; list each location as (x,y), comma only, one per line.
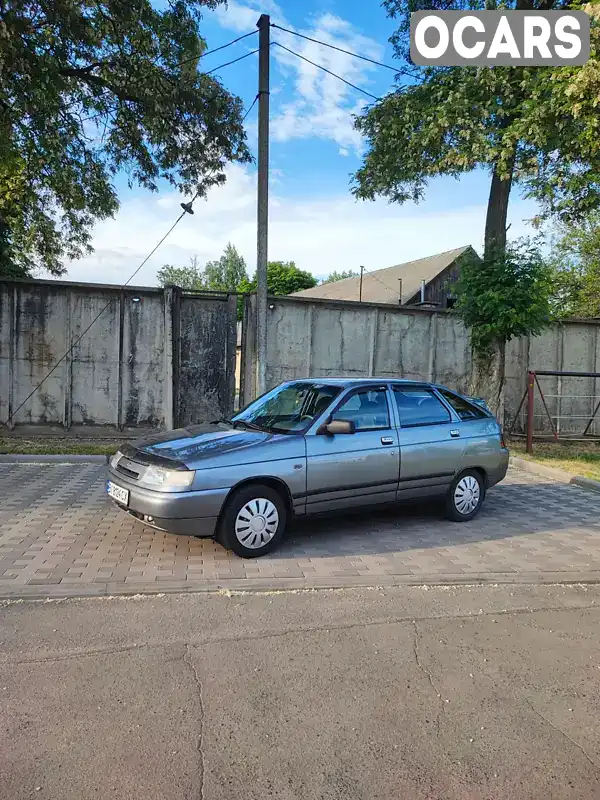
(409,692)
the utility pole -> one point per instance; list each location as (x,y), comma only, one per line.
(262,237)
(399,291)
(362,269)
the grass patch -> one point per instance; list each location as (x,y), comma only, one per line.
(47,445)
(580,458)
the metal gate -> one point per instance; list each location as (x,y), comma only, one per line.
(204,355)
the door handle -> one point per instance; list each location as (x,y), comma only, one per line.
(387,440)
(455,434)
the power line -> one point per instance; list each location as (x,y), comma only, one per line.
(250,108)
(192,58)
(389,288)
(397,70)
(222,47)
(216,69)
(328,71)
(187,60)
(228,63)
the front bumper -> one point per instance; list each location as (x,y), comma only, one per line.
(194,513)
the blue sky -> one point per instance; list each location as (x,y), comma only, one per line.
(314,219)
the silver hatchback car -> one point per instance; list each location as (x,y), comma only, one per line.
(310,446)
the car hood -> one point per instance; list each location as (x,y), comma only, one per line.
(193,443)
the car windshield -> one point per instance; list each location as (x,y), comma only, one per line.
(290,408)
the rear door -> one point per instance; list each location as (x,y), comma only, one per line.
(479,432)
(430,441)
(354,469)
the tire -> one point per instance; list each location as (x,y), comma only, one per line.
(236,531)
(465,497)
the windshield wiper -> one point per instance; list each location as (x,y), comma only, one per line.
(250,425)
(235,422)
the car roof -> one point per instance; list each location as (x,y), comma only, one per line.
(361,381)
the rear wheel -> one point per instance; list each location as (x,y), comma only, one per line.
(465,497)
(253,522)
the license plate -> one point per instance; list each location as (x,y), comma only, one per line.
(117,493)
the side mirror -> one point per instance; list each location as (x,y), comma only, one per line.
(339,426)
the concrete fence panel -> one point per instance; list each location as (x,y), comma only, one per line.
(127,372)
(572,345)
(322,338)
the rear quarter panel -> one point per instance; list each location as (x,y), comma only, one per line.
(482,445)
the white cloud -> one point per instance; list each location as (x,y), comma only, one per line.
(242,17)
(320,235)
(321,106)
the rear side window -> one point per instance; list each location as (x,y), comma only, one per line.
(419,406)
(463,408)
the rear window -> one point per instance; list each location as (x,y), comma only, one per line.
(463,408)
(419,406)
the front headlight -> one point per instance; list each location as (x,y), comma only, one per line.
(159,478)
(114,460)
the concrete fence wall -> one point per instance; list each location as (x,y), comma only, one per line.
(156,358)
(148,361)
(571,346)
(327,338)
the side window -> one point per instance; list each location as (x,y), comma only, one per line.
(368,410)
(463,408)
(419,406)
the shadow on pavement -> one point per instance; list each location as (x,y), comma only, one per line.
(510,509)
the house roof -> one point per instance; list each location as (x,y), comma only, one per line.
(381,286)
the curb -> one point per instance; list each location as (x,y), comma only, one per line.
(73,591)
(555,474)
(20,458)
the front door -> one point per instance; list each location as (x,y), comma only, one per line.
(430,443)
(359,468)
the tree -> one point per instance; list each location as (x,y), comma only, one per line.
(535,126)
(226,274)
(283,277)
(506,297)
(340,276)
(190,278)
(575,257)
(88,90)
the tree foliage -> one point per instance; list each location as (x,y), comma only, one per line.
(223,275)
(537,127)
(190,278)
(91,89)
(575,257)
(283,277)
(227,273)
(340,276)
(507,296)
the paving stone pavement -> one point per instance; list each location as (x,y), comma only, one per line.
(60,535)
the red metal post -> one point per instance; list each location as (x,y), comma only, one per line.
(552,425)
(530,406)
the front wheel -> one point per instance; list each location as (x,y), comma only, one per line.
(253,522)
(465,497)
